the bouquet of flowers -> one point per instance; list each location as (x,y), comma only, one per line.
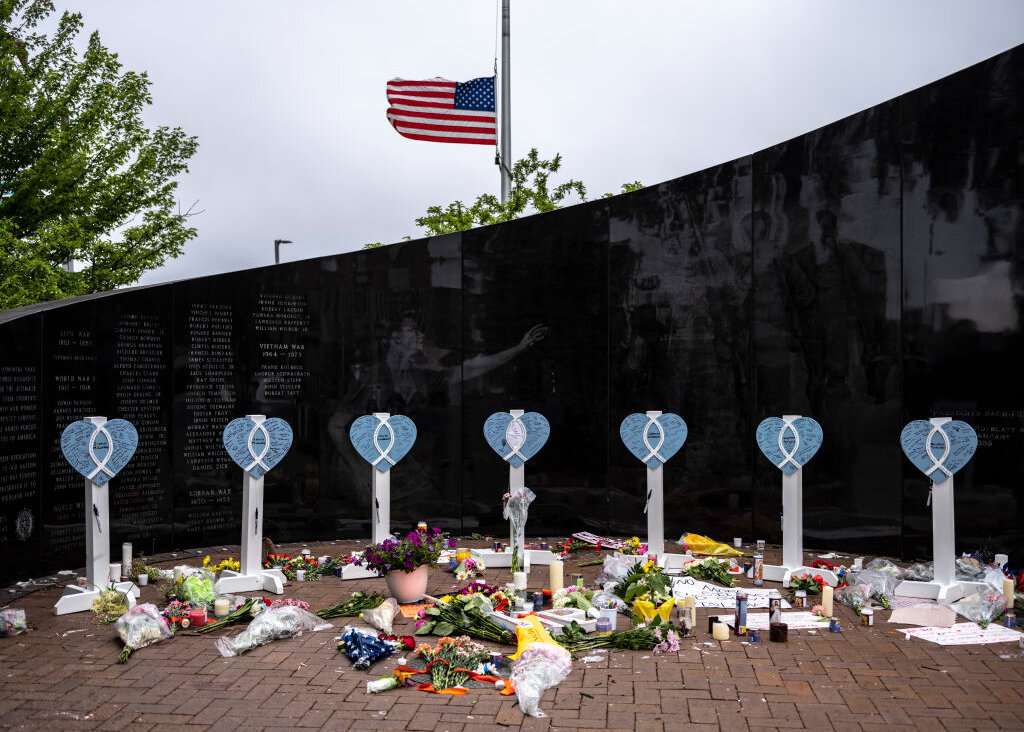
(141,626)
(196,590)
(356,604)
(537,669)
(633,547)
(452,660)
(578,597)
(469,568)
(981,608)
(645,582)
(467,614)
(516,508)
(811,585)
(363,649)
(667,644)
(282,621)
(415,550)
(710,569)
(229,563)
(176,611)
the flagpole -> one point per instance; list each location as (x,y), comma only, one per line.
(506,113)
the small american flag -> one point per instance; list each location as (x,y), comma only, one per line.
(439,110)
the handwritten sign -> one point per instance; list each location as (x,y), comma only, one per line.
(516,439)
(257,448)
(382,442)
(938,451)
(709,595)
(99,451)
(789,445)
(653,440)
(965,634)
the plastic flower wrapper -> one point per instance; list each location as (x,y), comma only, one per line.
(882,584)
(198,591)
(363,649)
(517,506)
(281,621)
(12,621)
(981,608)
(968,570)
(537,669)
(615,569)
(141,626)
(382,617)
(920,572)
(884,565)
(856,595)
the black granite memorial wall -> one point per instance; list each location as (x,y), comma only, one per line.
(865,274)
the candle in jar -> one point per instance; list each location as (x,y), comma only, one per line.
(827,600)
(221,607)
(1008,592)
(556,579)
(720,631)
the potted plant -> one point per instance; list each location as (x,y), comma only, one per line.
(404,562)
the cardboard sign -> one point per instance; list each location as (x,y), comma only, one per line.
(938,451)
(99,452)
(789,445)
(965,634)
(653,440)
(257,448)
(382,443)
(516,439)
(709,595)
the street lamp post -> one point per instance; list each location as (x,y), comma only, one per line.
(277,249)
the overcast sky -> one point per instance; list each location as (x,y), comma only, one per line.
(289,104)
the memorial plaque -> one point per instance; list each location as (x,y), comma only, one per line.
(516,439)
(19,447)
(382,443)
(653,440)
(98,452)
(257,447)
(938,451)
(789,445)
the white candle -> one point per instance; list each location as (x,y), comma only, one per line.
(142,580)
(115,572)
(556,579)
(720,631)
(691,609)
(519,580)
(126,557)
(737,542)
(827,600)
(1008,592)
(220,607)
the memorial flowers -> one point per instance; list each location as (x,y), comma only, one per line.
(141,626)
(575,596)
(468,568)
(667,644)
(464,614)
(415,550)
(811,585)
(452,661)
(633,547)
(353,606)
(516,507)
(710,569)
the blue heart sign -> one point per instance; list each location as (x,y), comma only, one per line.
(99,451)
(257,448)
(938,451)
(516,439)
(382,442)
(653,440)
(789,445)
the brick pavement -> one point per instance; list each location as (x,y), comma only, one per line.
(62,674)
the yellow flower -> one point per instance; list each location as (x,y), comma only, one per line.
(447,598)
(206,561)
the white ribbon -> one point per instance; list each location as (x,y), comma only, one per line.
(258,459)
(661,441)
(515,450)
(101,464)
(391,443)
(937,464)
(787,457)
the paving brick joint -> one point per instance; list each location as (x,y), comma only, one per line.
(62,674)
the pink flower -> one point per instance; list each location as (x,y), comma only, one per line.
(420,622)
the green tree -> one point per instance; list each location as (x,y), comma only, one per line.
(81,177)
(530,193)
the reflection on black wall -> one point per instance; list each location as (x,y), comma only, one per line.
(864,274)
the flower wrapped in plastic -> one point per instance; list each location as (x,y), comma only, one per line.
(577,597)
(538,668)
(280,621)
(363,649)
(856,595)
(981,608)
(882,583)
(517,506)
(197,591)
(884,565)
(382,617)
(12,621)
(141,626)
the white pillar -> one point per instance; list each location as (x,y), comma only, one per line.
(655,504)
(380,503)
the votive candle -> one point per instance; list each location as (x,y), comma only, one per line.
(720,631)
(519,580)
(556,577)
(221,607)
(1008,592)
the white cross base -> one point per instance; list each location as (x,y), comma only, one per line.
(252,576)
(77,599)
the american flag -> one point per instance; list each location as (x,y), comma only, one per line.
(439,110)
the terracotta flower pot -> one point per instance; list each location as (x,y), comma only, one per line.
(407,586)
